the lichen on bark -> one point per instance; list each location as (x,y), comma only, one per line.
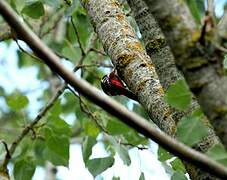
(201,65)
(130,59)
(163,59)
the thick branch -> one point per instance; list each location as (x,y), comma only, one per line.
(111,106)
(130,59)
(200,65)
(161,55)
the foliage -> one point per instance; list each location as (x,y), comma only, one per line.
(218,153)
(225,62)
(178,95)
(29,10)
(98,165)
(65,27)
(197,9)
(24,169)
(191,130)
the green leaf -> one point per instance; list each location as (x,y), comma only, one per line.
(168,169)
(218,153)
(123,153)
(17,4)
(71,52)
(38,147)
(73,7)
(90,128)
(138,109)
(57,155)
(116,127)
(23,169)
(201,6)
(82,22)
(116,178)
(70,104)
(134,138)
(177,165)
(34,10)
(142,177)
(87,146)
(53,3)
(24,59)
(194,8)
(225,62)
(59,126)
(178,176)
(190,130)
(98,165)
(17,101)
(178,95)
(163,155)
(56,108)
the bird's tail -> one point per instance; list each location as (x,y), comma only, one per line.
(131,95)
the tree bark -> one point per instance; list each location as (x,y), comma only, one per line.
(130,59)
(111,106)
(201,65)
(160,53)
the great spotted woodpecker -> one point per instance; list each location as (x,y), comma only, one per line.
(112,85)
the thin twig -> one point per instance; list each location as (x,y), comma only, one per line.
(30,126)
(219,47)
(29,54)
(77,35)
(41,114)
(42,34)
(6,148)
(132,145)
(98,51)
(84,108)
(96,65)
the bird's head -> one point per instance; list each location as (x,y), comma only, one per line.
(106,85)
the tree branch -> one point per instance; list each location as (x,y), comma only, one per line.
(161,55)
(77,36)
(111,106)
(201,65)
(45,109)
(130,59)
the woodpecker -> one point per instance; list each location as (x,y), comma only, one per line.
(112,85)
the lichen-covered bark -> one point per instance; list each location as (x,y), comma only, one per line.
(161,55)
(127,54)
(200,65)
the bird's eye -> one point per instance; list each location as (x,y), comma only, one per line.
(105,80)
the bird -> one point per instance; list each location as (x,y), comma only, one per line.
(112,85)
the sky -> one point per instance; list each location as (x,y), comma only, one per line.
(146,161)
(219,7)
